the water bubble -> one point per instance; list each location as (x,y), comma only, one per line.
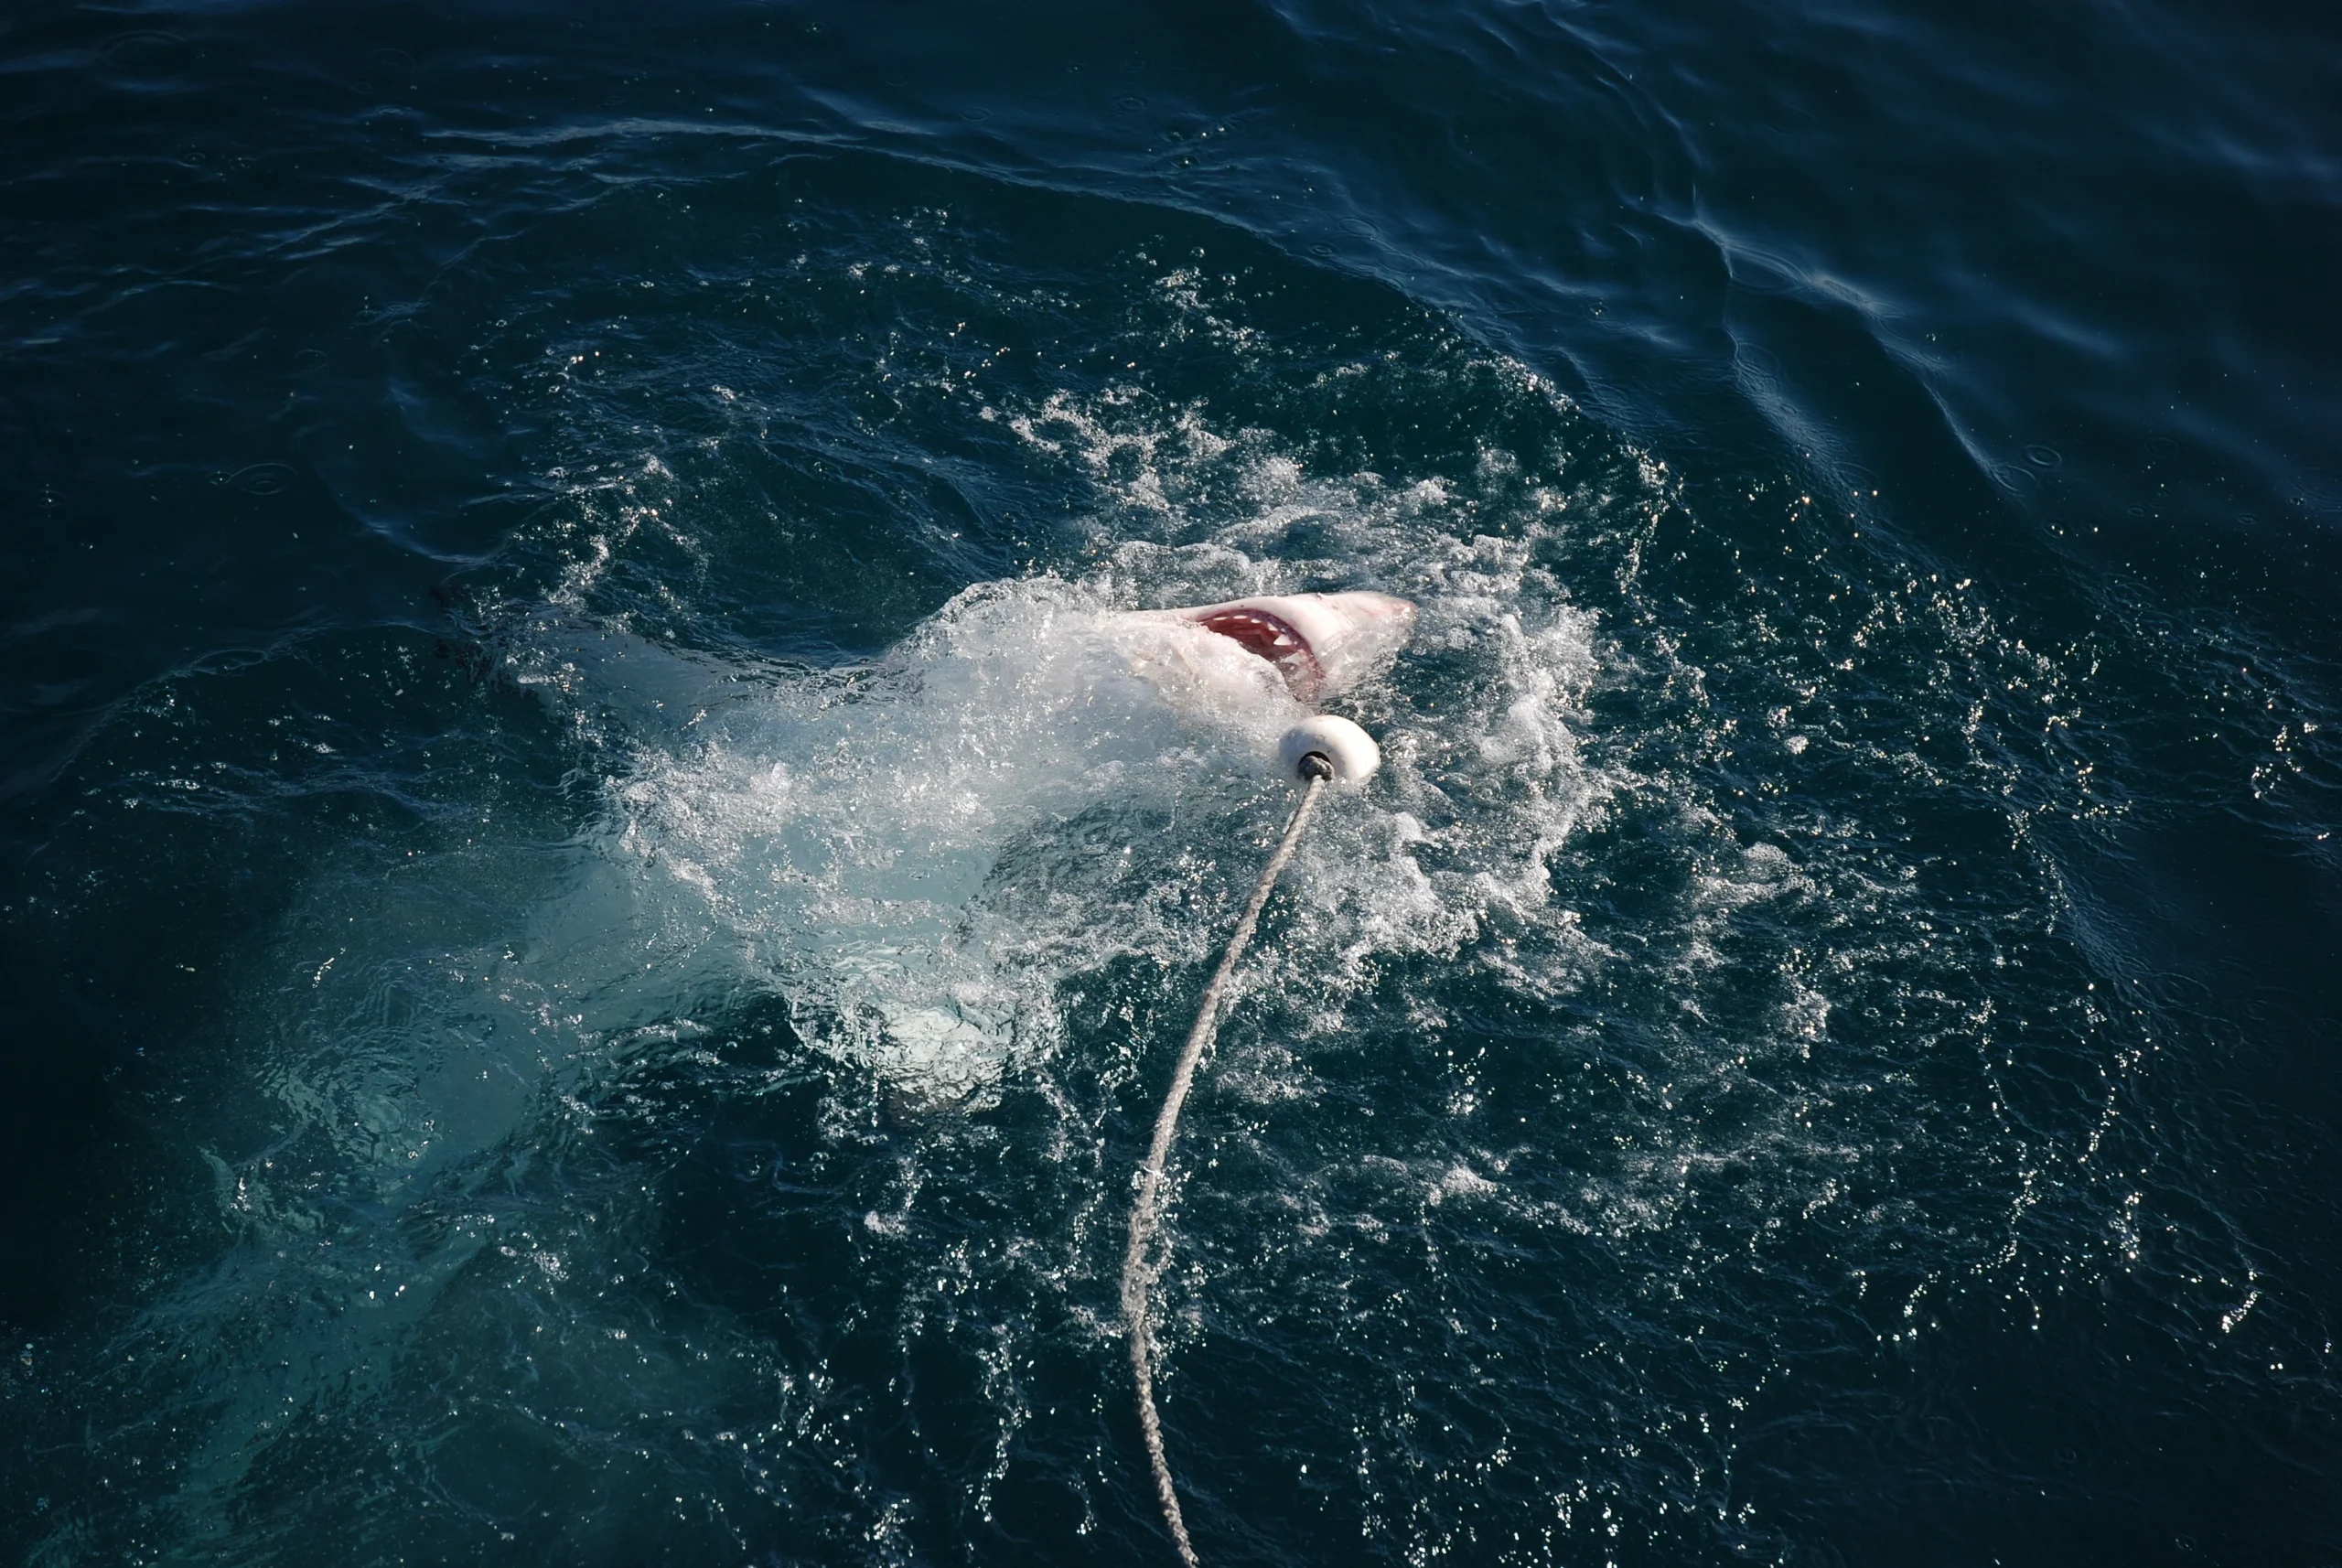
(2321,490)
(264,479)
(2042,456)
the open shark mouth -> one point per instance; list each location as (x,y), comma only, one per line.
(1320,643)
(1274,637)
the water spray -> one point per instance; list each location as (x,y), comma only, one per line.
(1318,751)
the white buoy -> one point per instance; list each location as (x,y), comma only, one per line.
(1349,749)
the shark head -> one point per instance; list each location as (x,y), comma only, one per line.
(1321,644)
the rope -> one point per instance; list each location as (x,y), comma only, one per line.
(1140,1267)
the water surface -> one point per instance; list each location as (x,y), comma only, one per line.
(592,964)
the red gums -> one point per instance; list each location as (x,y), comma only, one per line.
(1274,639)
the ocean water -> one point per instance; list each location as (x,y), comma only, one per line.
(593,940)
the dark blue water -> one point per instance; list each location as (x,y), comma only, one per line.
(577,994)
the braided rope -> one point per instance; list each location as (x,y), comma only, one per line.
(1141,1264)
